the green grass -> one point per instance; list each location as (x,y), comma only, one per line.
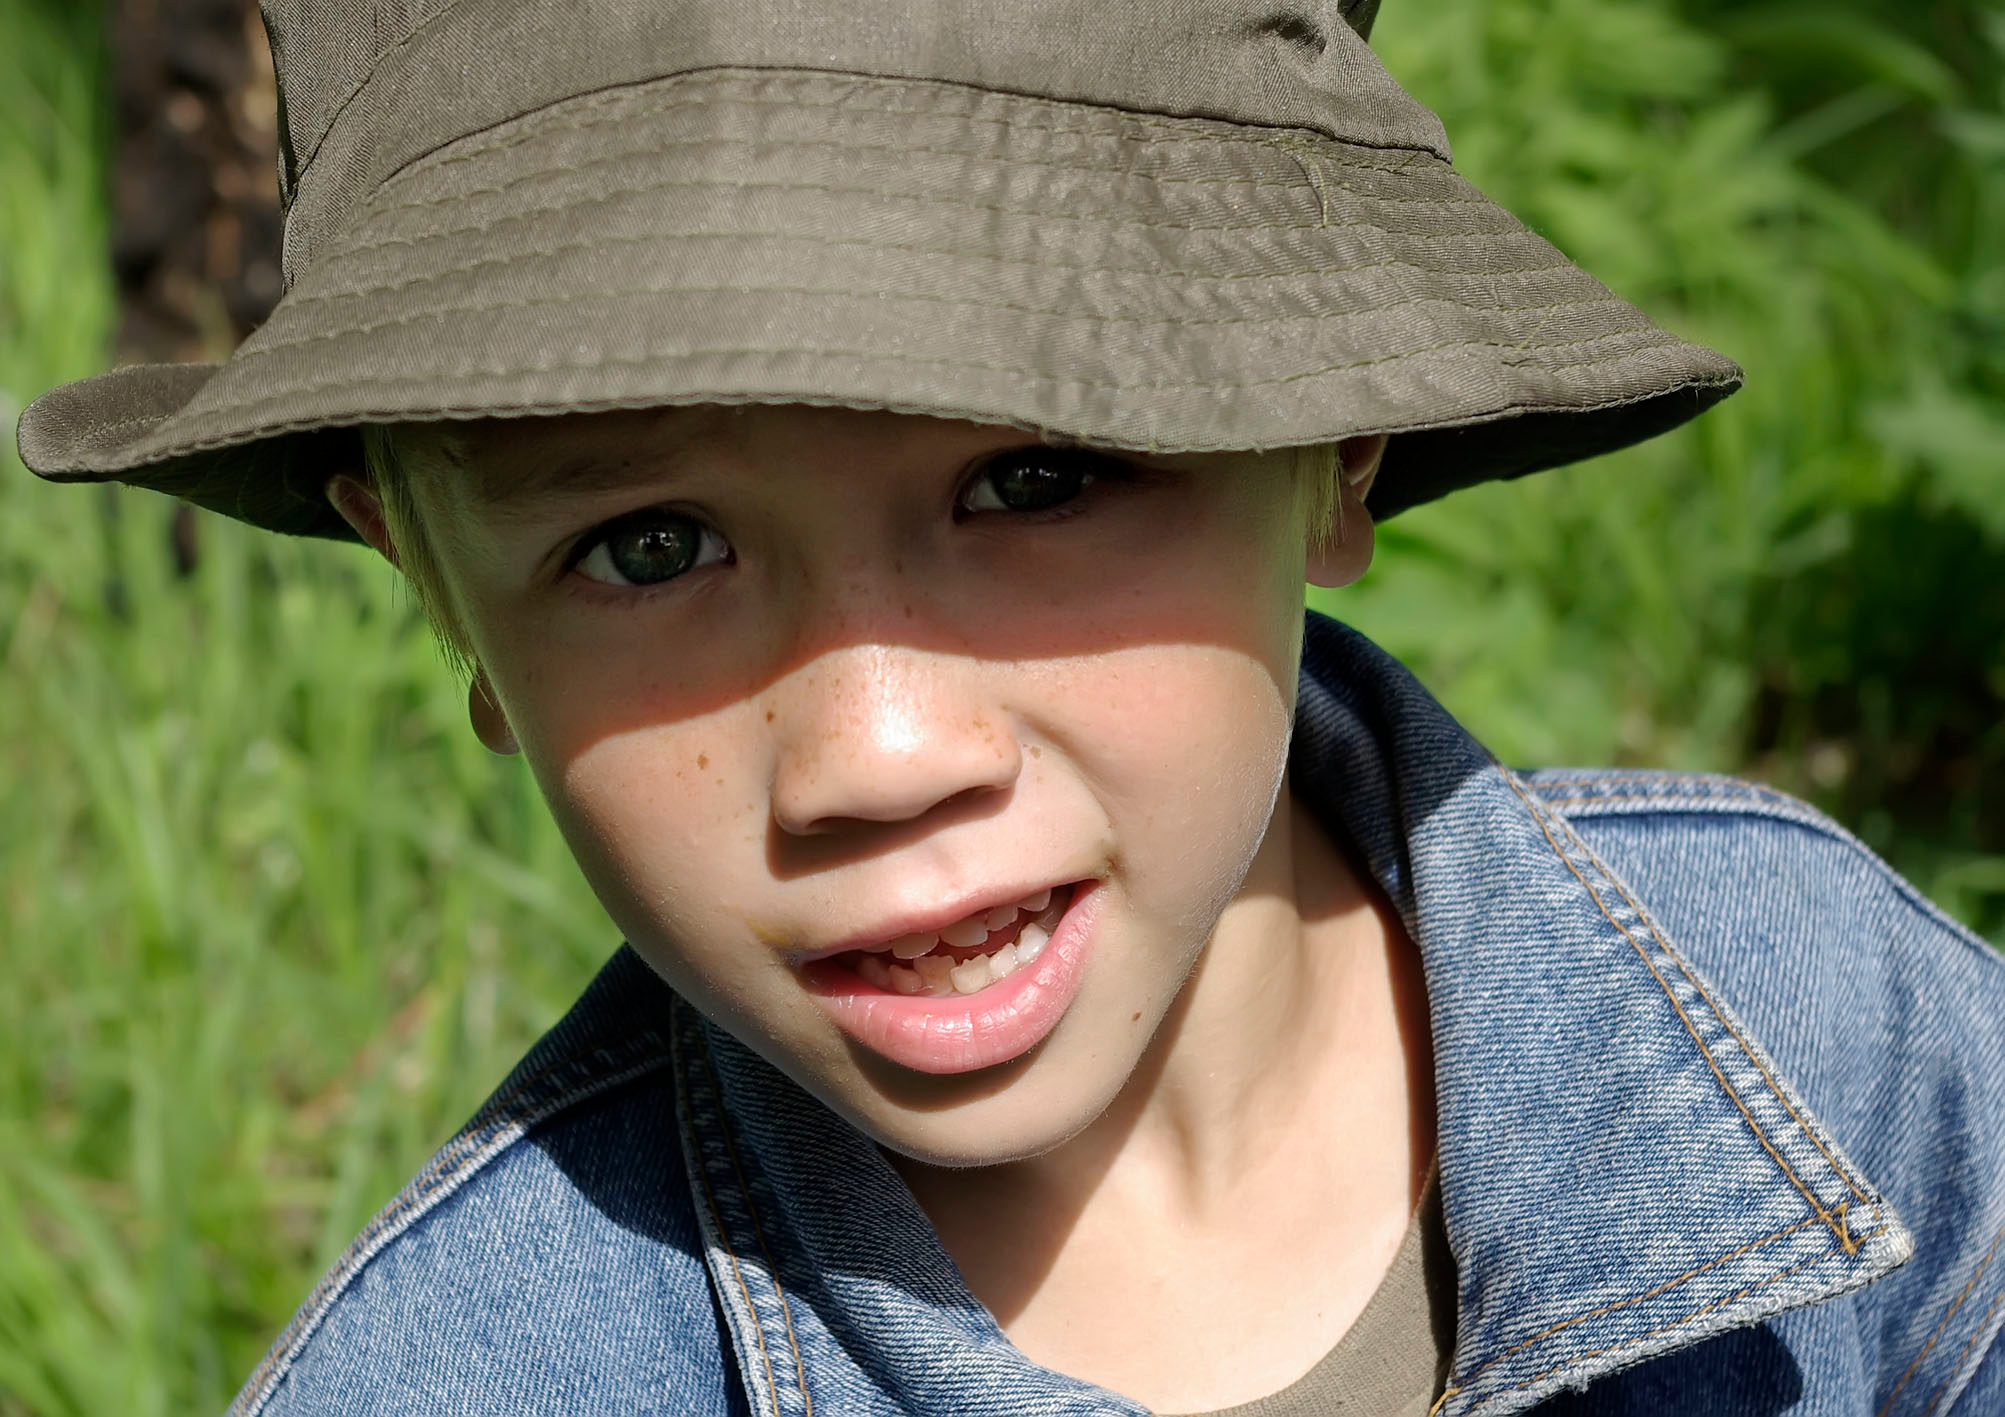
(272,923)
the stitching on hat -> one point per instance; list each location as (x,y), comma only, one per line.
(1115,223)
(304,300)
(890,357)
(633,104)
(615,159)
(536,302)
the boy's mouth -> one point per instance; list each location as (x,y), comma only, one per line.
(966,956)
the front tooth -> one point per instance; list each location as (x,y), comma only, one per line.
(875,970)
(1003,963)
(936,972)
(1001,916)
(1031,904)
(970,976)
(906,981)
(966,934)
(1030,942)
(912,946)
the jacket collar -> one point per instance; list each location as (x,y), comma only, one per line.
(1624,1172)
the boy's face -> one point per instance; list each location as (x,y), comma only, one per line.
(873,676)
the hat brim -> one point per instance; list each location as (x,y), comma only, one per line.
(729,236)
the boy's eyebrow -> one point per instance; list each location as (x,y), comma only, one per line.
(524,486)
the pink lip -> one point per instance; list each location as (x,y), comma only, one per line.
(967,1031)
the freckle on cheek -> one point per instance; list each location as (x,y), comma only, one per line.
(703,760)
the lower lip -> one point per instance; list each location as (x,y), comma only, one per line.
(964,1032)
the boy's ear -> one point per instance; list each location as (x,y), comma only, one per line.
(1343,551)
(362,509)
(490,725)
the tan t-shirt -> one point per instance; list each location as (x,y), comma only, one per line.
(1394,1360)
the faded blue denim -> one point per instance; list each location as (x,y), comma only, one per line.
(1650,1211)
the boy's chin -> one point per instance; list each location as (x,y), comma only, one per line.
(1004,1114)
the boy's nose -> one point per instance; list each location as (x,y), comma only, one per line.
(878,733)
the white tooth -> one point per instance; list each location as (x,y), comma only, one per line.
(966,934)
(936,972)
(1003,963)
(1001,916)
(971,976)
(912,946)
(1030,942)
(1031,904)
(878,949)
(875,970)
(906,981)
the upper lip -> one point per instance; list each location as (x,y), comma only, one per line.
(928,922)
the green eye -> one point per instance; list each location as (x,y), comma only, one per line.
(649,548)
(1029,480)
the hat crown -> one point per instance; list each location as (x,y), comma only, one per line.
(367,88)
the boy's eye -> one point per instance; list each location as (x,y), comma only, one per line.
(648,548)
(1030,480)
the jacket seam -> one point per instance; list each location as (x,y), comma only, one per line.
(738,1274)
(495,1129)
(1983,1326)
(1631,1342)
(1651,1293)
(1727,1022)
(759,1234)
(1739,797)
(1941,1324)
(1836,1221)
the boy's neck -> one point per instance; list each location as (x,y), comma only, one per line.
(1291,1085)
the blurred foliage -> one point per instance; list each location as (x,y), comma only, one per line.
(272,923)
(1807,585)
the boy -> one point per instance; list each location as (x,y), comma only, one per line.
(867,457)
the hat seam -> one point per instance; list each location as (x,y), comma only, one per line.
(905,149)
(1516,228)
(1275,141)
(975,366)
(912,249)
(586,297)
(1193,127)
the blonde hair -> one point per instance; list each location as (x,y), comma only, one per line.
(397,456)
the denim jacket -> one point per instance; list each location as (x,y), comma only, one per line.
(1722,1131)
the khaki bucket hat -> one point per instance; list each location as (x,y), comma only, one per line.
(1156,225)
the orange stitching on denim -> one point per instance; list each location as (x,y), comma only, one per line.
(1712,1003)
(758,1228)
(1663,1288)
(1968,1344)
(1935,1334)
(1701,1312)
(1837,1221)
(1740,1038)
(724,1238)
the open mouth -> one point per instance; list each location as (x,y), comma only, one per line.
(967,956)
